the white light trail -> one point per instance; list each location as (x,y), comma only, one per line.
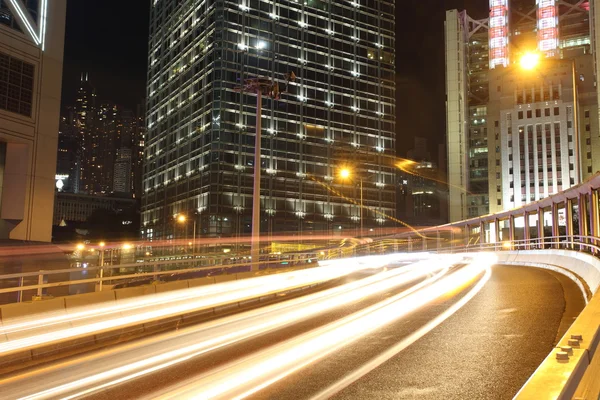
(41,330)
(117,366)
(244,378)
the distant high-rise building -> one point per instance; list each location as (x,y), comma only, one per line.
(68,155)
(506,143)
(122,171)
(200,142)
(31,56)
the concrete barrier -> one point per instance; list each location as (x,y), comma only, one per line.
(583,265)
(225,278)
(209,280)
(168,286)
(559,378)
(26,312)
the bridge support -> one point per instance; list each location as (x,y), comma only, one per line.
(526,232)
(569,221)
(540,227)
(497,232)
(594,217)
(481,234)
(583,225)
(511,230)
(554,211)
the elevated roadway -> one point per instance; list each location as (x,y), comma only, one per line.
(486,349)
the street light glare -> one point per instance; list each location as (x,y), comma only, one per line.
(80,246)
(530,60)
(181,218)
(345,173)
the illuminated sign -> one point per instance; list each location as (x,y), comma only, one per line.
(547,19)
(498,33)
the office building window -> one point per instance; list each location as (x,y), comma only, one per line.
(520,115)
(587,113)
(587,127)
(538,113)
(556,111)
(529,114)
(546,112)
(16,85)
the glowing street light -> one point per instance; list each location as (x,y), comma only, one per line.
(101,244)
(181,218)
(127,246)
(530,60)
(80,246)
(345,173)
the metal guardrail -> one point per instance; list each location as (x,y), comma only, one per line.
(161,267)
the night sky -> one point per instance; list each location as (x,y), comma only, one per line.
(108,39)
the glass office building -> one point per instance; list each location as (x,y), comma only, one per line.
(340,111)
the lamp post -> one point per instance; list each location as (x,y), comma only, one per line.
(182,220)
(101,253)
(259,87)
(345,173)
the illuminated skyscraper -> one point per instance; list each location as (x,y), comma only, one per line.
(513,136)
(200,142)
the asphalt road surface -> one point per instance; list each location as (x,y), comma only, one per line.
(487,349)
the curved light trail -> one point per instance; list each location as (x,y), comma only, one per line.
(127,362)
(38,330)
(246,377)
(429,279)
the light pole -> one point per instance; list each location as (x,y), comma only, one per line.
(345,173)
(259,86)
(101,251)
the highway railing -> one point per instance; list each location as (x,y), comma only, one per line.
(78,280)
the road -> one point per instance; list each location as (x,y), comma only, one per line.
(487,348)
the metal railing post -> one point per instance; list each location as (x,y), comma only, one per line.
(40,282)
(20,292)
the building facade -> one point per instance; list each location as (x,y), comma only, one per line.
(506,144)
(31,57)
(200,141)
(71,207)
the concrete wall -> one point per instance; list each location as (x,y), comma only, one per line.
(583,265)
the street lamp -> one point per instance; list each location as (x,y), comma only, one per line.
(259,87)
(346,173)
(530,61)
(101,253)
(182,219)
